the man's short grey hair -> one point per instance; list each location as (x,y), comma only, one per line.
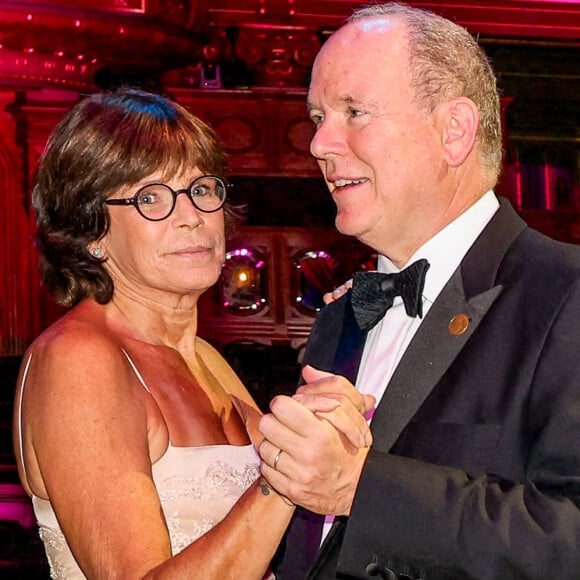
(445,62)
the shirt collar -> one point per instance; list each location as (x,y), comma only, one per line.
(446,249)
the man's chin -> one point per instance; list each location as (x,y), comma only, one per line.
(348,227)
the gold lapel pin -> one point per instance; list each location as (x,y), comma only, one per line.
(458,324)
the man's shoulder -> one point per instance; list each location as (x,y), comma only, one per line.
(552,256)
(541,266)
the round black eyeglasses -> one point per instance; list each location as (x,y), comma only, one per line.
(156,201)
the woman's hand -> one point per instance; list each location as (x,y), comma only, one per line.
(334,398)
(306,455)
(338,292)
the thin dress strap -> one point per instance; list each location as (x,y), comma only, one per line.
(19,414)
(139,376)
(19,403)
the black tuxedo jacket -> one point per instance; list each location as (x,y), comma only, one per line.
(475,467)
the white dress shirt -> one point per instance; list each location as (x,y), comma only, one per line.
(387,341)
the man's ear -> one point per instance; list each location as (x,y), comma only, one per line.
(460,121)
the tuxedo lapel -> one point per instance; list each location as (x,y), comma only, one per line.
(350,345)
(336,342)
(469,294)
(432,350)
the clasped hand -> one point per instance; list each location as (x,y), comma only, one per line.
(315,442)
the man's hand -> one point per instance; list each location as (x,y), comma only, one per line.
(316,443)
(335,399)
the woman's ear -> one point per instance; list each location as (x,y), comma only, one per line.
(460,124)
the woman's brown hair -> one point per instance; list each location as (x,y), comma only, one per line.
(105,142)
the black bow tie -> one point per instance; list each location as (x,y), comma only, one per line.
(373,293)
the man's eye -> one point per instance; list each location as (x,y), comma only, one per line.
(355,112)
(317,119)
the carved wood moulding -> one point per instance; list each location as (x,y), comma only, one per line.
(264,132)
(533,18)
(81,43)
(84,44)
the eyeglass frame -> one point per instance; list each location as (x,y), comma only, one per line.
(126,201)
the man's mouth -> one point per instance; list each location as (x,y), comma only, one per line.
(345,182)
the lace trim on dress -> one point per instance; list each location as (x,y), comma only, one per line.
(58,554)
(194,505)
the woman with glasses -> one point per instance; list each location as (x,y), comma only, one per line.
(134,438)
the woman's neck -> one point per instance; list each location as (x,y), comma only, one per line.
(173,324)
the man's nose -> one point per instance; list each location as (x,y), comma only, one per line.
(328,140)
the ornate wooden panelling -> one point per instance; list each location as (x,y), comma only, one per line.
(25,308)
(80,43)
(533,18)
(282,320)
(264,132)
(17,269)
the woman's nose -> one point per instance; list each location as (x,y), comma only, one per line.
(185,210)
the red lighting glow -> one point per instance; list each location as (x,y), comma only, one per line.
(547,195)
(519,195)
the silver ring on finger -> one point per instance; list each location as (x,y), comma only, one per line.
(277,458)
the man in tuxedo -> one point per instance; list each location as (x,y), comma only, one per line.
(474,471)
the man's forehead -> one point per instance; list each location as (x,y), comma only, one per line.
(337,100)
(378,24)
(372,37)
(366,28)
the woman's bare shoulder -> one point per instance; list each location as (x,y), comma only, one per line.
(77,387)
(75,351)
(205,349)
(214,360)
(80,329)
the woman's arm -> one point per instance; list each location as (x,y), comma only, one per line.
(325,394)
(86,424)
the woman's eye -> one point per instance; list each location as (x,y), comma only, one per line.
(147,199)
(199,191)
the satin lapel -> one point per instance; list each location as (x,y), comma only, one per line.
(429,355)
(350,346)
(336,342)
(471,291)
(326,563)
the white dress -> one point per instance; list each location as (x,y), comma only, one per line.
(197,487)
